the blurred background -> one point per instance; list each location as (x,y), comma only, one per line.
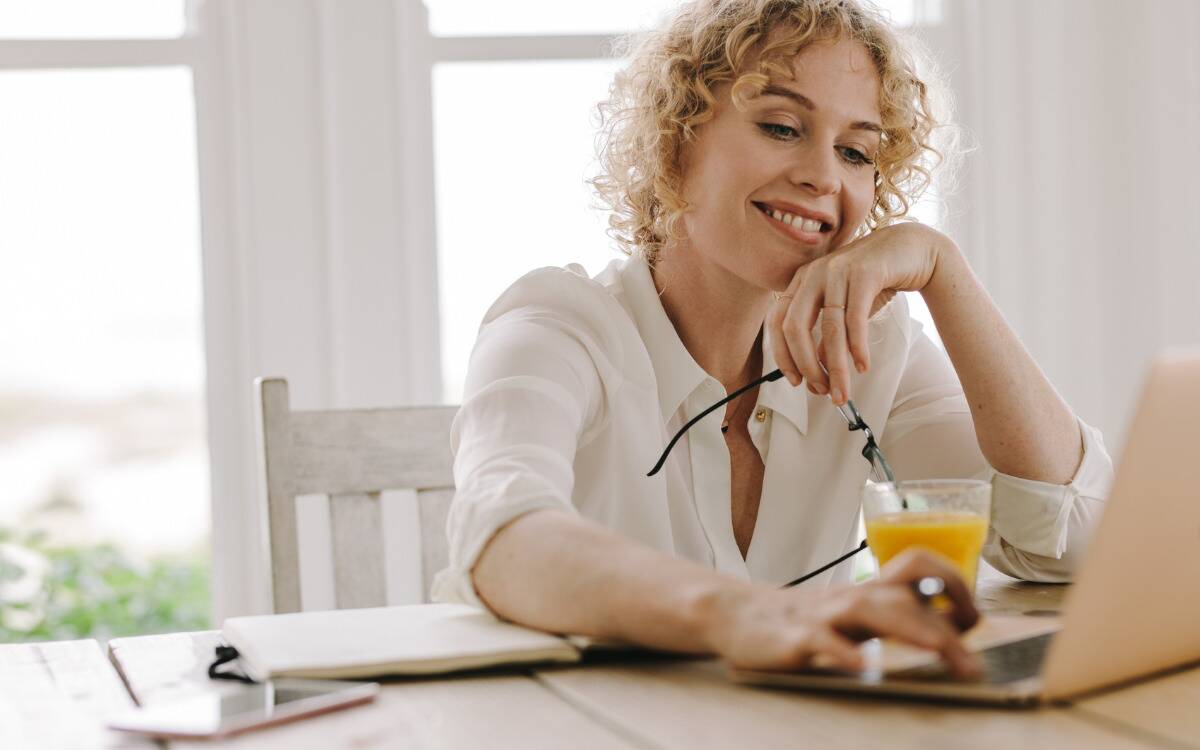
(194,193)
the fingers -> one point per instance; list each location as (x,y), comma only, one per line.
(833,333)
(859,301)
(779,347)
(915,563)
(891,611)
(838,649)
(786,629)
(797,337)
(840,294)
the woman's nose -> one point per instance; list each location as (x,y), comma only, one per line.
(815,169)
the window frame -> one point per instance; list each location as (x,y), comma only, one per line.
(192,50)
(228,347)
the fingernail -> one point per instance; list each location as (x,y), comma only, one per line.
(821,389)
(837,395)
(794,379)
(860,366)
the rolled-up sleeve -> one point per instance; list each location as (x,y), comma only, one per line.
(533,395)
(1038,530)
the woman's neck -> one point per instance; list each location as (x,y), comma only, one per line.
(717,315)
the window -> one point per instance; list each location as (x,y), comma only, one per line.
(88,19)
(511,192)
(542,17)
(104,468)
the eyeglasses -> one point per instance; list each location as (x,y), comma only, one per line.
(879,465)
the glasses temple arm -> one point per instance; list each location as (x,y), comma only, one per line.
(848,411)
(827,566)
(870,451)
(769,377)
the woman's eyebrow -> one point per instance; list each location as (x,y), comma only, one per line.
(804,101)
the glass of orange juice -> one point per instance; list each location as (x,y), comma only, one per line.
(946,516)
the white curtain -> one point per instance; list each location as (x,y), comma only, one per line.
(1077,206)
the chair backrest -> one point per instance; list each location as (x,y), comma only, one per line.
(352,456)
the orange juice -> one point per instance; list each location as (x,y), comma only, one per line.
(956,536)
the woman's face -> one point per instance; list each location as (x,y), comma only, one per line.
(802,149)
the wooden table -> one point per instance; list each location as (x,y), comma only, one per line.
(54,695)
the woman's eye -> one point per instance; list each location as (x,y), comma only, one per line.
(854,156)
(787,132)
(777,131)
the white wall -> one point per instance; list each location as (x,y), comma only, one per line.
(1077,202)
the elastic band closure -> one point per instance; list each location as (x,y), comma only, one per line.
(226,654)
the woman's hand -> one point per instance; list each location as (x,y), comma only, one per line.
(845,288)
(758,628)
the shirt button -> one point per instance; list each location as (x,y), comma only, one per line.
(760,415)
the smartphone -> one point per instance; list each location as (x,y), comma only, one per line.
(240,708)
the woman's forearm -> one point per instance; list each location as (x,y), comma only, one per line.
(558,572)
(1024,427)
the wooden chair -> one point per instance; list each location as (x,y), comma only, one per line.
(350,456)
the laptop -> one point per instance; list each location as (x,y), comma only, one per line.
(1134,609)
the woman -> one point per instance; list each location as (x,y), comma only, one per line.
(757,155)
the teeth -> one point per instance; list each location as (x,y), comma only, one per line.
(801,223)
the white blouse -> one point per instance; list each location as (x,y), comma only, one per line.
(575,386)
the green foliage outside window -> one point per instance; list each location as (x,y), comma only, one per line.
(55,592)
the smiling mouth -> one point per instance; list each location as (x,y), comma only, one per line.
(795,225)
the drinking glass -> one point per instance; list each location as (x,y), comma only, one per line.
(946,516)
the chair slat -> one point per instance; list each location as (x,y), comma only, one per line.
(315,537)
(275,452)
(433,506)
(371,450)
(402,545)
(358,569)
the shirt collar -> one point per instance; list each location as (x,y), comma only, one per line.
(780,397)
(675,371)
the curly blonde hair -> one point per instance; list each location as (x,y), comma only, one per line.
(666,91)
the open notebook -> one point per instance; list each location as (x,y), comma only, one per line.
(407,640)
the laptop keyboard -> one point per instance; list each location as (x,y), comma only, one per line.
(1017,660)
(1004,663)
